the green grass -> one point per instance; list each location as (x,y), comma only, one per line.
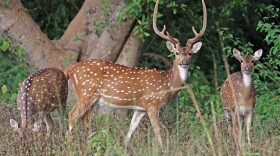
(182,136)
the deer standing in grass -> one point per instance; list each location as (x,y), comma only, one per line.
(143,90)
(41,93)
(239,96)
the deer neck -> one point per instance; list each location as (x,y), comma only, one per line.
(247,79)
(247,84)
(183,72)
(177,76)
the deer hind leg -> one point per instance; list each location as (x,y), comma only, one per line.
(153,116)
(79,109)
(60,113)
(137,116)
(86,118)
(71,118)
(74,114)
(39,120)
(248,120)
(49,124)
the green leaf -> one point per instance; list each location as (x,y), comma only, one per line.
(93,145)
(5,46)
(146,34)
(4,89)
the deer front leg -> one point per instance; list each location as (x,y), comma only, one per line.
(153,116)
(228,115)
(248,121)
(80,108)
(137,116)
(239,122)
(73,115)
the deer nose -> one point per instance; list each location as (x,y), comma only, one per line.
(247,68)
(184,62)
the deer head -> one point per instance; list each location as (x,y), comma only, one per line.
(182,54)
(247,62)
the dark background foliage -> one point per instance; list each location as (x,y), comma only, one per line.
(247,25)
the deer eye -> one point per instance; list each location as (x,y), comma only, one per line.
(241,61)
(177,53)
(190,54)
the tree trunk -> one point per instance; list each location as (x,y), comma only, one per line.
(19,25)
(81,41)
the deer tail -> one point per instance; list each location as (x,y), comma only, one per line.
(66,71)
(24,98)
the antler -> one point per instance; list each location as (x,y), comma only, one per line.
(161,34)
(198,35)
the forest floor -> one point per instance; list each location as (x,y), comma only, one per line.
(107,135)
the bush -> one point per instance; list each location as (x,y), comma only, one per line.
(13,69)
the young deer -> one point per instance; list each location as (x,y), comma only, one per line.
(41,93)
(239,95)
(118,86)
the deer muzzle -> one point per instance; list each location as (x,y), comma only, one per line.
(247,70)
(184,63)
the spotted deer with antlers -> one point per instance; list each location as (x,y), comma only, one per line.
(143,90)
(239,95)
(41,93)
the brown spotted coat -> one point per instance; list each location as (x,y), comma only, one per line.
(41,93)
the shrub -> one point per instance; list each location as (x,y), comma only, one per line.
(13,69)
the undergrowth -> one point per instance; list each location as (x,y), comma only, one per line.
(182,133)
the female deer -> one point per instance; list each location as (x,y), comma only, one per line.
(239,95)
(41,93)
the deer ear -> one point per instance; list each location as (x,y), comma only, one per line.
(196,47)
(170,46)
(237,54)
(14,124)
(258,54)
(37,126)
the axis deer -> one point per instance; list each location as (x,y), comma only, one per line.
(143,90)
(239,95)
(41,93)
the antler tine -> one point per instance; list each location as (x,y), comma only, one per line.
(198,35)
(163,30)
(161,34)
(194,31)
(172,39)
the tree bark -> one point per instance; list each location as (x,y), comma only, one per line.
(78,42)
(19,25)
(115,42)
